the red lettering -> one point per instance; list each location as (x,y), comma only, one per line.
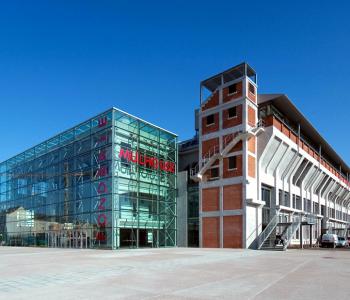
(102,188)
(126,154)
(149,162)
(141,159)
(101,172)
(172,167)
(161,165)
(135,157)
(101,204)
(156,163)
(144,160)
(102,121)
(102,155)
(103,138)
(102,223)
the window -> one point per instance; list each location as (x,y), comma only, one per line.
(298,202)
(284,198)
(251,88)
(210,120)
(214,173)
(232,89)
(232,112)
(266,195)
(232,162)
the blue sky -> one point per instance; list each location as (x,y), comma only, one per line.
(62,62)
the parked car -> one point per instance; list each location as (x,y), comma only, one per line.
(329,240)
(342,242)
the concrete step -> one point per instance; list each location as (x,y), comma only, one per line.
(272,248)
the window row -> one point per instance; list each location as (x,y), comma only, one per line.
(232,112)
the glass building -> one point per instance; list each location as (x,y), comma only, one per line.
(109,182)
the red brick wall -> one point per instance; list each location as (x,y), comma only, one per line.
(251,96)
(211,232)
(277,124)
(211,128)
(232,173)
(207,174)
(212,102)
(268,120)
(285,131)
(293,137)
(232,232)
(209,144)
(232,197)
(251,166)
(237,147)
(233,121)
(252,144)
(227,97)
(251,116)
(210,199)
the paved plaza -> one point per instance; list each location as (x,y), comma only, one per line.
(176,273)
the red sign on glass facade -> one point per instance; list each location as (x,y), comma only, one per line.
(147,161)
(102,188)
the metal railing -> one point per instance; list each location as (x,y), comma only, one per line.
(260,124)
(229,138)
(291,229)
(269,229)
(310,218)
(227,142)
(212,151)
(305,141)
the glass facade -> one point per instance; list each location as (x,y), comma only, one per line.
(193,215)
(109,182)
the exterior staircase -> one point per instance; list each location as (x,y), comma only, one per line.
(214,153)
(266,240)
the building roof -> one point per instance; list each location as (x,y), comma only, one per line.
(189,145)
(230,74)
(287,108)
(22,156)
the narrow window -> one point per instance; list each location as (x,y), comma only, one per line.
(232,112)
(232,162)
(251,88)
(232,89)
(210,120)
(214,173)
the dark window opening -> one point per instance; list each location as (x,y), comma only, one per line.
(210,120)
(266,196)
(296,202)
(232,88)
(232,112)
(232,162)
(251,88)
(284,198)
(214,173)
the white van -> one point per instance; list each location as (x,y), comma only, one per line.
(329,240)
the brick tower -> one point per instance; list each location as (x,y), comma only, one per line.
(227,165)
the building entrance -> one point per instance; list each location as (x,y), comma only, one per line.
(68,239)
(138,238)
